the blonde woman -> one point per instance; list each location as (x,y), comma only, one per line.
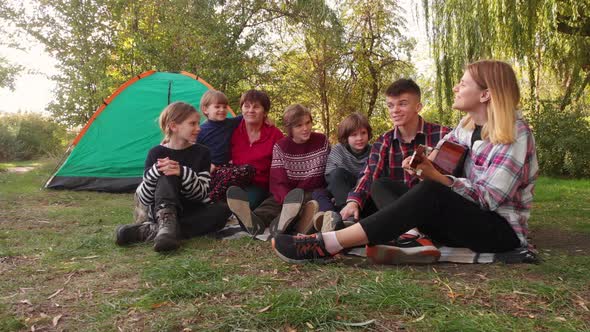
(486,209)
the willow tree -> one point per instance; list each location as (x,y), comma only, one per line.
(543,37)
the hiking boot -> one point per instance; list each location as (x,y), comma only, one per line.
(317,220)
(133,233)
(167,237)
(407,249)
(301,248)
(289,211)
(305,223)
(329,222)
(238,203)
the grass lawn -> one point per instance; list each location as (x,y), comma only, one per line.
(60,270)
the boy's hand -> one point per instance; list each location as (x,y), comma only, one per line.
(213,168)
(351,209)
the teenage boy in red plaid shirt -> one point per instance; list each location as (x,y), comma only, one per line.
(383,179)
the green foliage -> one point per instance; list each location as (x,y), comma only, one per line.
(24,136)
(562,141)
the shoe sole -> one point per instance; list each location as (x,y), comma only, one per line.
(290,210)
(119,236)
(318,220)
(166,244)
(295,261)
(239,205)
(329,225)
(305,223)
(390,255)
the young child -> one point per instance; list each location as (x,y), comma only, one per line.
(216,134)
(348,158)
(175,186)
(345,163)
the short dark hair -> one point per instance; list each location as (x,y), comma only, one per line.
(352,123)
(256,96)
(293,114)
(403,85)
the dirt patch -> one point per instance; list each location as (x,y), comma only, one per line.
(558,239)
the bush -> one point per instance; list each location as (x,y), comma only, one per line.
(563,147)
(25,136)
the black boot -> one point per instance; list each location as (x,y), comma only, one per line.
(128,234)
(167,236)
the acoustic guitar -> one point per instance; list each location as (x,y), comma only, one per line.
(449,160)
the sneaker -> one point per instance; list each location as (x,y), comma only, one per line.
(301,248)
(407,249)
(133,233)
(238,203)
(305,223)
(289,211)
(332,221)
(167,237)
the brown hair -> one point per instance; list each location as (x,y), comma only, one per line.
(499,78)
(352,123)
(403,85)
(293,114)
(176,112)
(213,97)
(256,96)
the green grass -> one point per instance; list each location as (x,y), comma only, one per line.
(57,257)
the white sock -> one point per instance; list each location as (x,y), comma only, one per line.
(331,243)
(414,231)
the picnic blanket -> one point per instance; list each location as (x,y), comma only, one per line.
(447,254)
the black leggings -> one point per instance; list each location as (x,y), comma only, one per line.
(194,218)
(440,213)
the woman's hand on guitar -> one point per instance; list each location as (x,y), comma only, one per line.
(426,170)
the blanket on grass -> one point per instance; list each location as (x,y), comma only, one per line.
(447,254)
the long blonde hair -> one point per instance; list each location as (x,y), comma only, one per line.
(176,112)
(499,78)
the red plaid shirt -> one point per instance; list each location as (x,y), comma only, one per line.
(390,147)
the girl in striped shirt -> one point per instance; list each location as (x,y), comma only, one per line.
(175,185)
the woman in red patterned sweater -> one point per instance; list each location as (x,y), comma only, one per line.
(297,169)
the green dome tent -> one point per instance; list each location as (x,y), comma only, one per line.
(110,151)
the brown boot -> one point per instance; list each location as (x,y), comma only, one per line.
(167,236)
(133,233)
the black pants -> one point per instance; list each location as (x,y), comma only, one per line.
(385,191)
(340,183)
(194,218)
(443,215)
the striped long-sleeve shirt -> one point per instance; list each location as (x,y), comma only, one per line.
(387,154)
(195,162)
(500,177)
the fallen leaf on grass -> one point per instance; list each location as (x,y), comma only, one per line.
(265,309)
(561,319)
(309,325)
(56,320)
(26,302)
(359,324)
(55,294)
(161,304)
(419,318)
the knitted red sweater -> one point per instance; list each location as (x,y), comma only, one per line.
(298,165)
